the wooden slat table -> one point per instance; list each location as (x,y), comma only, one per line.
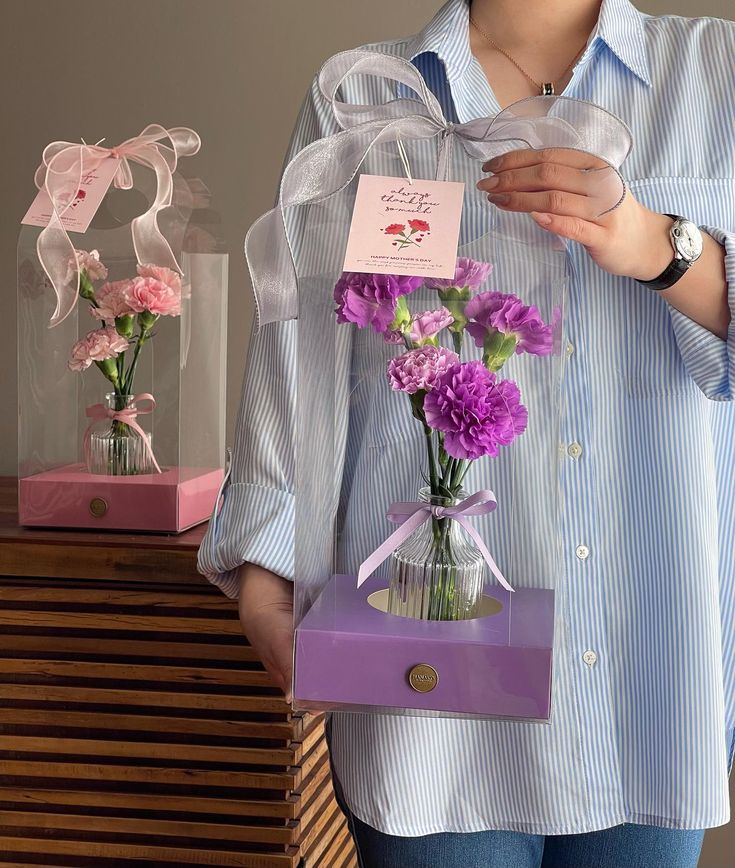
(137,727)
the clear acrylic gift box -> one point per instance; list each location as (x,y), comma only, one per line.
(427,436)
(118,432)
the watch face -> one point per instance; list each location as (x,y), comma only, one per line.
(688,239)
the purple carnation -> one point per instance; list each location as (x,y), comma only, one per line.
(370,299)
(468,273)
(420,368)
(477,413)
(393,336)
(505,313)
(429,323)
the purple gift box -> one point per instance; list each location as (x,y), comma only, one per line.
(350,654)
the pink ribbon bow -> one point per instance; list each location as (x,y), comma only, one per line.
(97,412)
(413,514)
(60,174)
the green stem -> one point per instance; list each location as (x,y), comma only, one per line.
(460,481)
(458,472)
(447,477)
(128,378)
(432,463)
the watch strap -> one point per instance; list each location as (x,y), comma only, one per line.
(674,270)
(677,268)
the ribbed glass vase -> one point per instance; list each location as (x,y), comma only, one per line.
(437,573)
(115,449)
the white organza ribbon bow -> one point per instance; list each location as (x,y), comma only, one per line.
(60,174)
(328,165)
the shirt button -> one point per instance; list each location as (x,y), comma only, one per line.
(570,348)
(582,552)
(589,657)
(574,450)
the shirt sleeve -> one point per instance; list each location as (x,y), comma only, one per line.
(709,359)
(253,518)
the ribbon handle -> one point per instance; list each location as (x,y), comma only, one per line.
(63,166)
(411,515)
(328,165)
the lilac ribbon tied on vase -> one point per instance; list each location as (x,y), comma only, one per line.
(97,412)
(63,166)
(412,514)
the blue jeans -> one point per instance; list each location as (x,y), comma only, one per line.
(630,845)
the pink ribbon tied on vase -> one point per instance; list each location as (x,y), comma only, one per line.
(97,412)
(412,514)
(60,174)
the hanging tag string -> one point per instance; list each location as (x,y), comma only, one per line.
(404,159)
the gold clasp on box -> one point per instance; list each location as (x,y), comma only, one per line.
(423,678)
(98,506)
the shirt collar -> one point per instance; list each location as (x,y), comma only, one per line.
(619,26)
(446,35)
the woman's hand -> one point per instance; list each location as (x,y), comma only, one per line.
(553,187)
(266,615)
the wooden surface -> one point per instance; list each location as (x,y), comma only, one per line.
(106,555)
(137,727)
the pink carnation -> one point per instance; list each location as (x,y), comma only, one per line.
(89,262)
(153,295)
(420,368)
(172,279)
(113,299)
(96,346)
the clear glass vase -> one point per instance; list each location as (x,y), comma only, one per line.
(115,449)
(437,573)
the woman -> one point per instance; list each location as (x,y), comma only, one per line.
(635,764)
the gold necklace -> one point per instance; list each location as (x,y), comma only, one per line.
(546,87)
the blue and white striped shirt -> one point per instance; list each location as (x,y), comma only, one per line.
(644,672)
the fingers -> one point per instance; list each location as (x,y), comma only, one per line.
(561,181)
(282,653)
(271,635)
(266,615)
(550,201)
(574,228)
(536,178)
(524,157)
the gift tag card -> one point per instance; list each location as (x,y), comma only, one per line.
(87,199)
(405,228)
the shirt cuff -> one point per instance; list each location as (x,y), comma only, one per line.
(710,360)
(255,524)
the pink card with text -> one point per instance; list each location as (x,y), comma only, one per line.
(87,199)
(403,228)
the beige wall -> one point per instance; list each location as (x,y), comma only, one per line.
(72,69)
(94,68)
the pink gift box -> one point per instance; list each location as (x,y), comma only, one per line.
(70,496)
